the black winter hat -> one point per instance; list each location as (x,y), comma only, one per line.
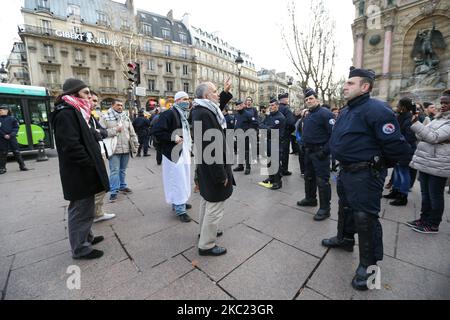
(72,86)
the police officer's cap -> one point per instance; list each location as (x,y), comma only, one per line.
(283,96)
(239,102)
(363,73)
(4,106)
(309,92)
(273,100)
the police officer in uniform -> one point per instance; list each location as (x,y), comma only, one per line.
(9,127)
(317,128)
(285,109)
(244,119)
(274,121)
(365,140)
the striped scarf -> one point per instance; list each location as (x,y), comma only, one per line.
(82,105)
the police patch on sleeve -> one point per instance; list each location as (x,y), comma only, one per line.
(277,121)
(332,122)
(389,128)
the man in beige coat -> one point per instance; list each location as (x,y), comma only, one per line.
(119,127)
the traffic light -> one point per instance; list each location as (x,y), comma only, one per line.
(134,70)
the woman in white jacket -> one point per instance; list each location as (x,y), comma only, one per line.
(432,159)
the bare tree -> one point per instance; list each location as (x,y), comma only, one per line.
(311,46)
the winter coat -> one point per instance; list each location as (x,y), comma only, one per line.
(212,176)
(81,166)
(8,126)
(127,141)
(168,122)
(433,151)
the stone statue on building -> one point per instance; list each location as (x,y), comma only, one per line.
(423,52)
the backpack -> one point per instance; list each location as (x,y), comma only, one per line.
(156,143)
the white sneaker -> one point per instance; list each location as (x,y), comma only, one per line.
(106,216)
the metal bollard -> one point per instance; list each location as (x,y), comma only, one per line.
(42,156)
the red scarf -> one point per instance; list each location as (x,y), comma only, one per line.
(82,105)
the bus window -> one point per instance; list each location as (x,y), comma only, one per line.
(15,108)
(40,129)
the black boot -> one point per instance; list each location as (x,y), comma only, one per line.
(277,185)
(366,224)
(394,194)
(310,192)
(343,240)
(239,168)
(400,201)
(3,162)
(324,198)
(20,161)
(247,171)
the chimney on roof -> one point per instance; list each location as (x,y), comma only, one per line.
(187,20)
(170,15)
(130,5)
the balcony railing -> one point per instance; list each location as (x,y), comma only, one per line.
(43,8)
(169,93)
(109,90)
(52,86)
(21,75)
(36,30)
(153,92)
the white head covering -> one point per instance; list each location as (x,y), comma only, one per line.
(180,95)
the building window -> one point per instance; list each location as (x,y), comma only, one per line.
(79,55)
(73,10)
(185,70)
(151,65)
(51,77)
(151,85)
(166,33)
(82,75)
(146,29)
(105,58)
(147,46)
(167,50)
(49,51)
(46,26)
(43,4)
(184,53)
(183,38)
(168,67)
(102,18)
(203,43)
(107,81)
(186,87)
(76,29)
(169,85)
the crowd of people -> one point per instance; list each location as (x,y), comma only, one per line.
(361,141)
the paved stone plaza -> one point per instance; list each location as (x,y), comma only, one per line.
(274,249)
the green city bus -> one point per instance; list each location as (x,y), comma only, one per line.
(31,107)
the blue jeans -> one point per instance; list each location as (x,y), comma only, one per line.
(179,209)
(402,179)
(118,166)
(432,189)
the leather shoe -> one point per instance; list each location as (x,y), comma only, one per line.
(238,169)
(322,214)
(276,186)
(185,218)
(286,173)
(247,171)
(97,240)
(307,203)
(94,254)
(216,251)
(345,244)
(188,206)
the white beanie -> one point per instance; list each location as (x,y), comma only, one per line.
(180,95)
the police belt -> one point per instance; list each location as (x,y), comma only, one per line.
(313,147)
(358,166)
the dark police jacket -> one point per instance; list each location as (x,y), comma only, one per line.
(141,126)
(230,121)
(244,119)
(81,166)
(367,128)
(274,121)
(254,112)
(317,128)
(9,126)
(163,129)
(211,176)
(290,120)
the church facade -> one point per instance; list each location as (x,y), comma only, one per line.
(407,44)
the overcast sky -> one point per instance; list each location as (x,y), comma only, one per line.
(250,25)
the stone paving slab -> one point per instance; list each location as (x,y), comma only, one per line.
(193,286)
(276,272)
(308,294)
(150,281)
(5,266)
(399,280)
(218,267)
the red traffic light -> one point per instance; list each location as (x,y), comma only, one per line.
(132,66)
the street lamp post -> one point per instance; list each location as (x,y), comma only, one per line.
(289,83)
(239,61)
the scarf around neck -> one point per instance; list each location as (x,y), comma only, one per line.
(82,105)
(214,108)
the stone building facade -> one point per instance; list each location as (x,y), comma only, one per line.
(271,84)
(385,35)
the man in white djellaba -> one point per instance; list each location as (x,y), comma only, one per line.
(172,133)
